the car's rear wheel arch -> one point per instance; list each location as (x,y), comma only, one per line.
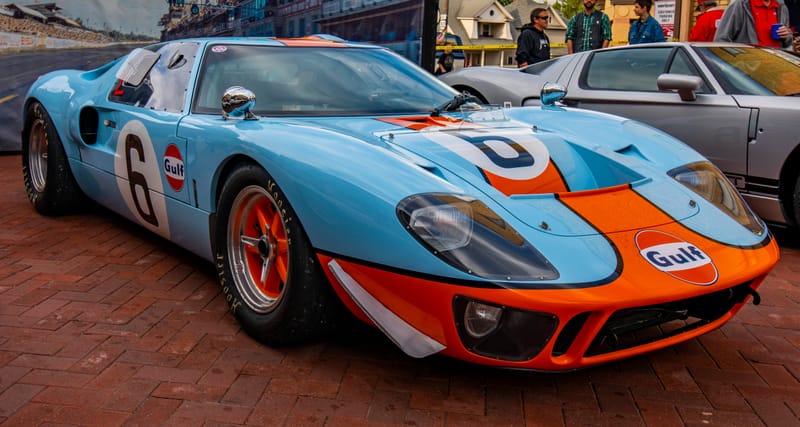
(49,183)
(471,91)
(789,187)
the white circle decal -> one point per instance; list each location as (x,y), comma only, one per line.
(139,178)
(514,154)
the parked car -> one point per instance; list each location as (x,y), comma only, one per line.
(318,175)
(736,104)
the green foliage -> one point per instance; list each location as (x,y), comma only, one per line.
(568,8)
(505,2)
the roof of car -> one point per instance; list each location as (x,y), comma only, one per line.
(317,40)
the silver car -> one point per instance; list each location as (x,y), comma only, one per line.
(738,105)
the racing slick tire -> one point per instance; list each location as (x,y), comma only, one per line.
(271,279)
(49,182)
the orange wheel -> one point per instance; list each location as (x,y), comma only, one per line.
(258,248)
(268,271)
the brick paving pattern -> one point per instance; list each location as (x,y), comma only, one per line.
(103,323)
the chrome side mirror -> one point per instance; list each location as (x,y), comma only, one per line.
(552,93)
(686,85)
(238,103)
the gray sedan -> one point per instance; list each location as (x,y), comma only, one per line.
(738,105)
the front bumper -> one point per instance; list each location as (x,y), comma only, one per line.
(641,310)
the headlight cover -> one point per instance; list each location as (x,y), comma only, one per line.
(468,235)
(707,181)
(503,333)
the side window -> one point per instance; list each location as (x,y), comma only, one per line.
(682,64)
(626,69)
(164,85)
(131,87)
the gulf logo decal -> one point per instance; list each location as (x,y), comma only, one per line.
(173,167)
(676,257)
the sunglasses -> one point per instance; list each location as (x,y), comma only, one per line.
(542,17)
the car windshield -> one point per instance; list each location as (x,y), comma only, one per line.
(754,70)
(318,81)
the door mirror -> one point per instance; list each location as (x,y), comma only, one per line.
(552,93)
(238,102)
(683,83)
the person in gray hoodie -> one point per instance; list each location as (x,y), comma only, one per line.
(738,23)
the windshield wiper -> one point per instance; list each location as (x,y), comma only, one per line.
(453,104)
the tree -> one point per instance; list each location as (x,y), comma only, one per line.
(568,8)
(505,2)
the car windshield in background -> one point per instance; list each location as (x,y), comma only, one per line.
(318,81)
(753,70)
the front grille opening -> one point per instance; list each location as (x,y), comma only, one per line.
(569,333)
(641,325)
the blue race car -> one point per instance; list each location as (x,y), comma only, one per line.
(320,175)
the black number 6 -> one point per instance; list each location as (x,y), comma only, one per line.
(132,142)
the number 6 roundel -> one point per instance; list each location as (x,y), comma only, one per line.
(139,179)
(514,155)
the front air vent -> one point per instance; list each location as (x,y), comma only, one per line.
(641,325)
(569,333)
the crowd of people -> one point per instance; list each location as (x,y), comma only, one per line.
(33,27)
(757,22)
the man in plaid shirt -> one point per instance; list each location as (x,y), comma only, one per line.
(588,30)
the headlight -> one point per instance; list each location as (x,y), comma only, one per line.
(468,235)
(707,181)
(502,332)
(481,319)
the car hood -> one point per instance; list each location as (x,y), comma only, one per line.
(527,171)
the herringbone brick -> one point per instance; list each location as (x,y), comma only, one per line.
(103,323)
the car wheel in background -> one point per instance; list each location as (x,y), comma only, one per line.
(470,91)
(796,204)
(49,182)
(271,279)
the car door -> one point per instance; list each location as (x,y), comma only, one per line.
(623,82)
(142,151)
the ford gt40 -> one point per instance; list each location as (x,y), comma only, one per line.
(322,176)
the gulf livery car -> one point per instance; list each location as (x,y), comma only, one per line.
(319,175)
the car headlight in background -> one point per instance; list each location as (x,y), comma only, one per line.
(468,235)
(706,180)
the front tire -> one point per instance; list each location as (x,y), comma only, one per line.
(271,279)
(49,182)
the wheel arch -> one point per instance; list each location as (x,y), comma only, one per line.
(225,170)
(25,119)
(472,91)
(790,170)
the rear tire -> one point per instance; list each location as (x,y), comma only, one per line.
(268,272)
(49,182)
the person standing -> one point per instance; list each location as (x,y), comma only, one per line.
(751,21)
(707,21)
(588,30)
(446,59)
(533,45)
(646,29)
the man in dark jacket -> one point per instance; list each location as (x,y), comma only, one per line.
(533,45)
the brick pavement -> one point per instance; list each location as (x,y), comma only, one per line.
(102,323)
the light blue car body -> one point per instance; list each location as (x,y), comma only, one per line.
(345,176)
